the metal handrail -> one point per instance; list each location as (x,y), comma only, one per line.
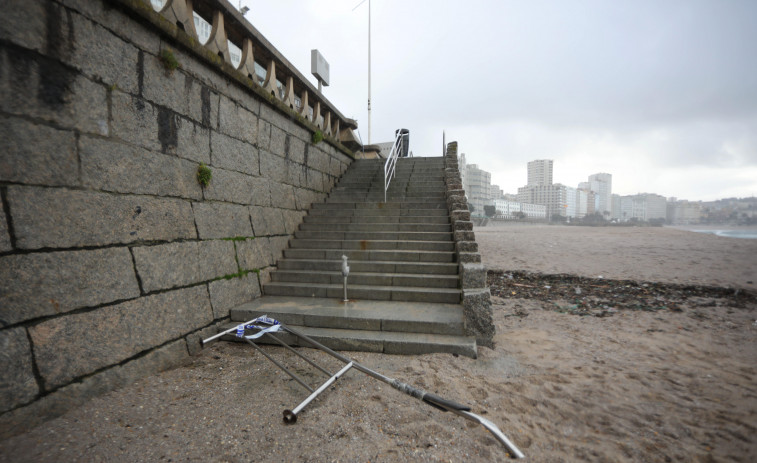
(391,161)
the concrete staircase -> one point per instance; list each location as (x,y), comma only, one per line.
(403,286)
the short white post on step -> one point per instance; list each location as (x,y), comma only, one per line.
(345,272)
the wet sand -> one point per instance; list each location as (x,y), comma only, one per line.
(636,385)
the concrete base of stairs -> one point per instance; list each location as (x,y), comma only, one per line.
(370,326)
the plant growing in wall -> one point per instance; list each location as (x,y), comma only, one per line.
(204,174)
(169,60)
(317,137)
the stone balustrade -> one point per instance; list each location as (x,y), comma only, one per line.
(259,64)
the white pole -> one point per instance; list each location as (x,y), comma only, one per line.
(369,67)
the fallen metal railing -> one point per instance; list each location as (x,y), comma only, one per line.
(391,160)
(265,326)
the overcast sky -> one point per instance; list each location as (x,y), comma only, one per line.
(661,94)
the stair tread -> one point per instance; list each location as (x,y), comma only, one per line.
(387,342)
(392,274)
(366,287)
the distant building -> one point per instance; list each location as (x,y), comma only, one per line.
(477,188)
(510,209)
(601,184)
(553,197)
(683,212)
(582,202)
(615,211)
(644,207)
(540,172)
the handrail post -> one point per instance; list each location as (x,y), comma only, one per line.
(391,161)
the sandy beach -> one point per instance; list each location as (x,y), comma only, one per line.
(670,378)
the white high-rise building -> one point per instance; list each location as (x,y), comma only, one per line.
(601,184)
(540,172)
(477,188)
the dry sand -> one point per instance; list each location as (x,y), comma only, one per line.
(635,386)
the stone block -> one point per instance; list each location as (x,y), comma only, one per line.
(460,214)
(318,160)
(135,120)
(112,334)
(277,246)
(17,383)
(254,254)
(273,167)
(68,397)
(279,142)
(265,275)
(292,220)
(282,195)
(314,180)
(113,19)
(267,221)
(103,56)
(296,151)
(230,186)
(227,294)
(218,220)
(453,192)
(113,166)
(472,275)
(238,188)
(24,23)
(176,90)
(37,154)
(304,198)
(468,257)
(477,312)
(336,167)
(464,235)
(62,218)
(44,284)
(5,239)
(264,134)
(466,246)
(232,154)
(181,264)
(44,88)
(296,174)
(194,340)
(193,141)
(462,225)
(236,121)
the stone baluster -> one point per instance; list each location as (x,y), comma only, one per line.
(218,42)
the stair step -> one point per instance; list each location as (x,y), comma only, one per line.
(420,212)
(387,342)
(428,268)
(373,236)
(372,244)
(366,219)
(367,292)
(368,205)
(367,278)
(413,317)
(381,227)
(381,255)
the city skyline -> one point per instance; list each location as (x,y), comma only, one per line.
(643,87)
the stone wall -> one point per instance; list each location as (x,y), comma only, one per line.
(114,260)
(476,296)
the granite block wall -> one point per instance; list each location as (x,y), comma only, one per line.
(114,260)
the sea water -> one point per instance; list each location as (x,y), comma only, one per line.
(748,234)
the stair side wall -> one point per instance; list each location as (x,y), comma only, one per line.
(476,297)
(114,260)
